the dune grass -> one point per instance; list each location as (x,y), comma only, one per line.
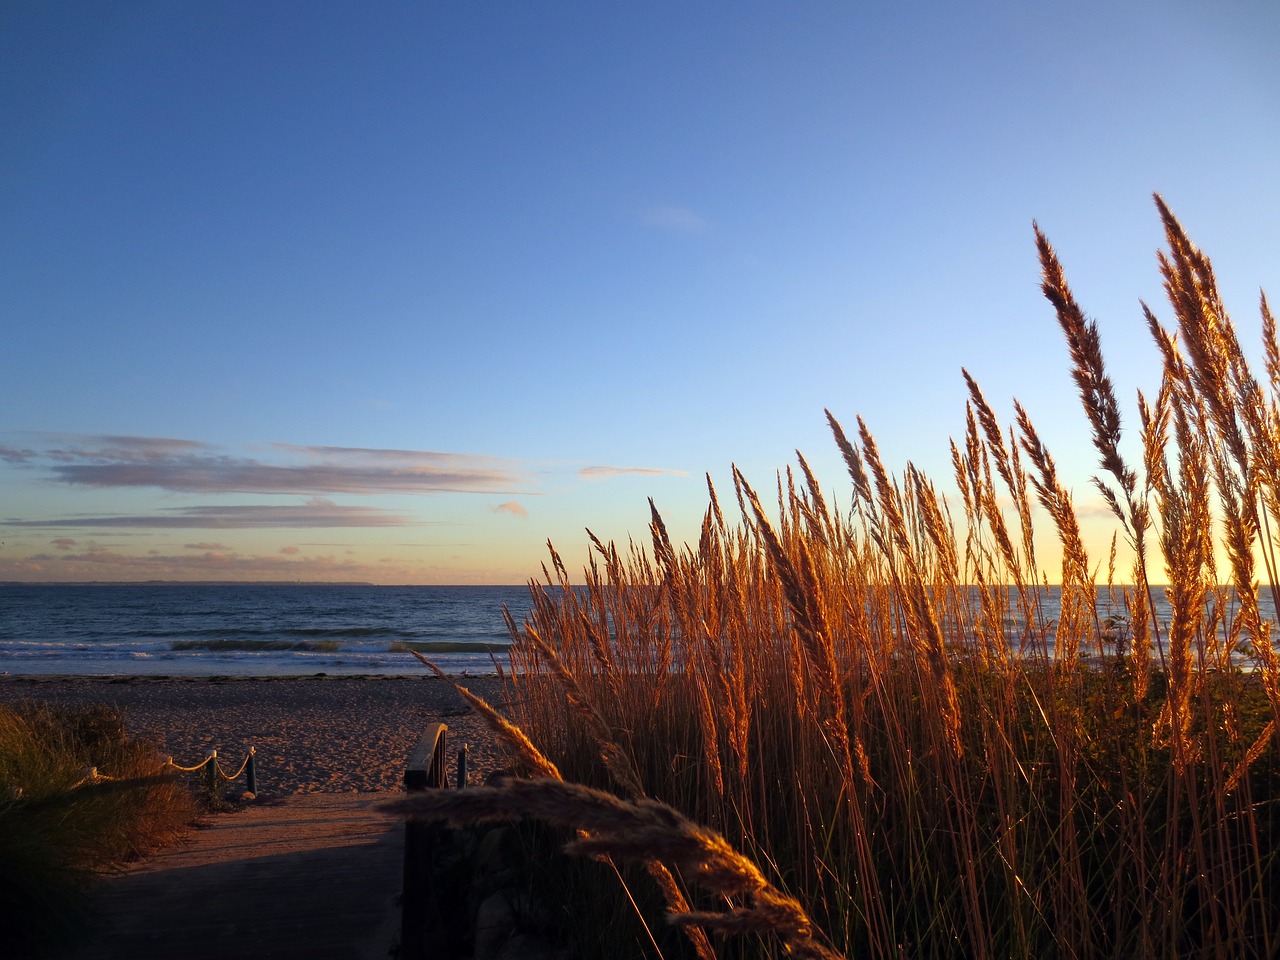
(896,727)
(76,797)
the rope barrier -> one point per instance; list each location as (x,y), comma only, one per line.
(244,766)
(91,775)
(199,766)
(216,771)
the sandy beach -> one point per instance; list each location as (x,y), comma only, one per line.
(311,734)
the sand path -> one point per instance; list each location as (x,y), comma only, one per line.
(302,876)
(309,869)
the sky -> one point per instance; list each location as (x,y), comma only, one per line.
(398,292)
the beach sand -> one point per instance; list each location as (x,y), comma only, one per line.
(311,734)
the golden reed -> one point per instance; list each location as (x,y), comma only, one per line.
(883,724)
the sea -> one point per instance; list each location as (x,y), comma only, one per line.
(291,629)
(259,629)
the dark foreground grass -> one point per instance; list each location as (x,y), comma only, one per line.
(76,798)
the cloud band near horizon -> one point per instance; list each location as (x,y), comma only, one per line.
(193,467)
(186,466)
(317,512)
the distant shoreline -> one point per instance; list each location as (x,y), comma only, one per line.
(131,678)
(249,583)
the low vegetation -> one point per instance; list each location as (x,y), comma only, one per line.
(894,738)
(76,797)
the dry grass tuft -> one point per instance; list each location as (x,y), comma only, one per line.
(77,797)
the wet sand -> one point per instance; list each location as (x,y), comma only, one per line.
(311,734)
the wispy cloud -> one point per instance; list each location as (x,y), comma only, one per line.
(513,508)
(604,472)
(105,448)
(97,561)
(675,219)
(392,456)
(317,512)
(64,543)
(1094,508)
(187,466)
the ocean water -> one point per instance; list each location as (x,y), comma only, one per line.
(296,629)
(252,629)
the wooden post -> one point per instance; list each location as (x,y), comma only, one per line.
(251,772)
(211,774)
(426,770)
(462,767)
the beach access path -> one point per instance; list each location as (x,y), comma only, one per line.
(310,868)
(315,875)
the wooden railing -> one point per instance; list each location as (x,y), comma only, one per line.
(419,906)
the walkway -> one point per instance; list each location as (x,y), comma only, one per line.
(311,876)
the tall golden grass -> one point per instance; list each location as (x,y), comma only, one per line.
(884,717)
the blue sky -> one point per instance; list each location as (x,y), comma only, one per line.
(398,291)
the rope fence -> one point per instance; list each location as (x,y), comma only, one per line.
(248,769)
(91,775)
(215,772)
